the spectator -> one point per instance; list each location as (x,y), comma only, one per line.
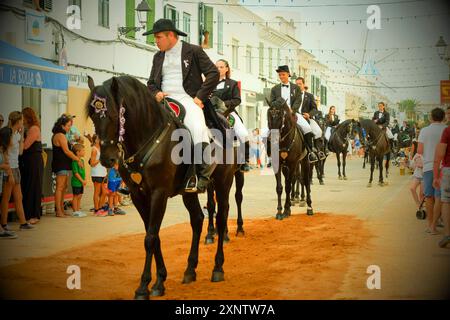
(428,140)
(2,120)
(98,174)
(78,181)
(417,165)
(447,116)
(442,181)
(114,182)
(73,135)
(5,142)
(255,147)
(62,160)
(12,184)
(32,167)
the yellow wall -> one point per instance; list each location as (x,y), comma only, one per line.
(76,102)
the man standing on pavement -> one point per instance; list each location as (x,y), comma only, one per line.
(429,138)
(177,72)
(441,181)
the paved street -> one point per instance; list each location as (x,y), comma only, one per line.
(412,266)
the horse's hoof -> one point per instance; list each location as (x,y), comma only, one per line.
(286,215)
(381,184)
(321,183)
(279,216)
(302,203)
(309,212)
(226,238)
(157,292)
(240,232)
(340,177)
(217,276)
(209,239)
(141,296)
(369,185)
(189,277)
(345,178)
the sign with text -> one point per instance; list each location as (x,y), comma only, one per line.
(445,91)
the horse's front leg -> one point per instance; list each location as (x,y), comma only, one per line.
(196,215)
(211,207)
(344,164)
(372,167)
(380,167)
(338,156)
(287,186)
(306,179)
(222,194)
(279,189)
(158,202)
(239,181)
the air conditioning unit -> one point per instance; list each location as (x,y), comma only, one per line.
(46,5)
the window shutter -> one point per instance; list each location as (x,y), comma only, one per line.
(151,21)
(209,24)
(130,18)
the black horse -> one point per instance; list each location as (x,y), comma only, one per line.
(211,208)
(339,141)
(377,146)
(136,132)
(292,152)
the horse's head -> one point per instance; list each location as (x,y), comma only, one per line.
(103,107)
(277,114)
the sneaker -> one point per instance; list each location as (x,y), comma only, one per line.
(110,212)
(444,242)
(8,235)
(6,228)
(119,211)
(79,214)
(102,213)
(26,226)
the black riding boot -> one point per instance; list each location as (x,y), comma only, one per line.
(309,140)
(204,170)
(245,167)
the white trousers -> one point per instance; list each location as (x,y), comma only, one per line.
(239,128)
(306,127)
(328,133)
(194,119)
(389,133)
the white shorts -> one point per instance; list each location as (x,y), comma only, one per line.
(306,127)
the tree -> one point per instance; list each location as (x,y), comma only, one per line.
(408,106)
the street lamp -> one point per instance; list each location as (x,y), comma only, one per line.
(142,8)
(442,49)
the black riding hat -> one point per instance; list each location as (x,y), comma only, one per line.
(164,25)
(284,69)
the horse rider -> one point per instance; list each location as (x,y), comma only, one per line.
(305,110)
(292,95)
(228,91)
(382,118)
(177,73)
(331,122)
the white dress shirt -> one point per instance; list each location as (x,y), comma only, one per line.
(286,93)
(172,74)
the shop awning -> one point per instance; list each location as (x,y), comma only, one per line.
(18,67)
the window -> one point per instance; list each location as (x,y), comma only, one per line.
(261,59)
(151,21)
(31,97)
(248,55)
(278,57)
(171,13)
(270,64)
(103,13)
(187,25)
(130,18)
(235,54)
(220,32)
(75,3)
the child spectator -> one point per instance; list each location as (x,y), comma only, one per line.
(5,172)
(98,174)
(78,180)
(417,165)
(114,182)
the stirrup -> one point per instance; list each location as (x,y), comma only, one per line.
(191,185)
(322,156)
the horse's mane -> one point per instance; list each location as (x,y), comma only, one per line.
(343,124)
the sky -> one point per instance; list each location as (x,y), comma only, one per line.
(417,66)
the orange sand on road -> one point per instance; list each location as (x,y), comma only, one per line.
(300,257)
